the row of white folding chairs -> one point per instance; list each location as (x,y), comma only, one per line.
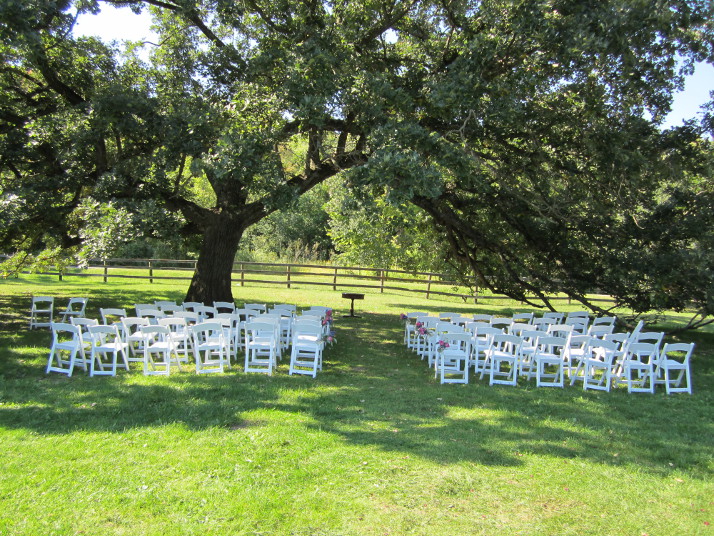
(140,338)
(637,362)
(42,310)
(580,320)
(101,349)
(266,336)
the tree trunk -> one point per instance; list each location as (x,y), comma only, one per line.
(212,278)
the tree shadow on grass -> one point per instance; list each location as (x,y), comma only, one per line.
(374,393)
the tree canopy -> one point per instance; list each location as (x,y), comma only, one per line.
(526,129)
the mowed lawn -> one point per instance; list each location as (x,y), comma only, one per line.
(373,446)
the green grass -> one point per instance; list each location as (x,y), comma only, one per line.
(372,446)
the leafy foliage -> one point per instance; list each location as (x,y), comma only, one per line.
(527,130)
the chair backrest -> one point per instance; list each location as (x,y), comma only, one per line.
(655,337)
(205,312)
(307,330)
(43,303)
(482,317)
(76,306)
(62,331)
(111,314)
(190,317)
(174,323)
(103,334)
(224,306)
(680,352)
(580,325)
(560,330)
(191,305)
(321,308)
(604,350)
(506,343)
(138,307)
(171,309)
(604,321)
(151,313)
(501,322)
(83,323)
(157,331)
(645,352)
(577,314)
(522,317)
(261,307)
(260,329)
(204,331)
(285,306)
(555,315)
(600,330)
(160,304)
(543,322)
(550,344)
(132,324)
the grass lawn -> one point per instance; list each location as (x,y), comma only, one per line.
(372,446)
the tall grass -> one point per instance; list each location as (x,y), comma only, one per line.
(373,445)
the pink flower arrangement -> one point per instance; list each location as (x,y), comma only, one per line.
(443,345)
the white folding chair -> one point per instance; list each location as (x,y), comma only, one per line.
(597,365)
(159,351)
(107,348)
(42,312)
(482,334)
(453,357)
(180,336)
(209,347)
(75,309)
(306,349)
(549,361)
(505,351)
(83,325)
(675,357)
(132,335)
(262,341)
(66,350)
(637,367)
(409,329)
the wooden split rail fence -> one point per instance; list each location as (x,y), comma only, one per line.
(343,278)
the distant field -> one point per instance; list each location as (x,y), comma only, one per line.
(372,446)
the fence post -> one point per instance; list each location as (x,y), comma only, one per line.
(288,276)
(476,294)
(428,287)
(242,274)
(381,281)
(106,270)
(151,273)
(334,281)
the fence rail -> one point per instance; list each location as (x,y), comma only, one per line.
(342,278)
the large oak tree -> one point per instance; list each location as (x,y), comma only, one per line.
(526,129)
